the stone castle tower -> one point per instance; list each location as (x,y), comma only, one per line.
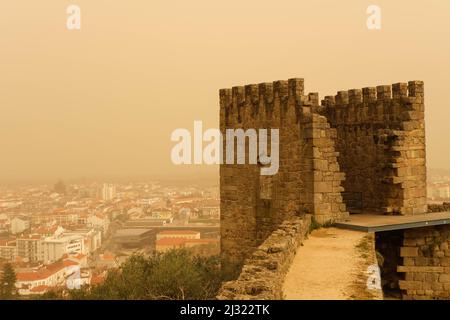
(362,150)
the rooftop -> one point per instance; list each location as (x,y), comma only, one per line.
(170,241)
(179,232)
(182,241)
(131,232)
(45,272)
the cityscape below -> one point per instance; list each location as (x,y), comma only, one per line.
(53,233)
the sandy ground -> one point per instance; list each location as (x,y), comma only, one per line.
(325,266)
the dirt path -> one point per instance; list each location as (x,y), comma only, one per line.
(326,266)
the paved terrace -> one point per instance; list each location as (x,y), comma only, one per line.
(378,222)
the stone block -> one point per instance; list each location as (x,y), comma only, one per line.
(420,269)
(409,252)
(410,285)
(445,278)
(323,187)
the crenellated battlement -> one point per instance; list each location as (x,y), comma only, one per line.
(266,91)
(381,93)
(389,104)
(266,99)
(361,150)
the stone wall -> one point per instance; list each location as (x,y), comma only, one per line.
(263,273)
(381,141)
(364,148)
(388,244)
(439,207)
(308,180)
(426,263)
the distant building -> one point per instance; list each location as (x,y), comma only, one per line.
(201,246)
(134,238)
(80,259)
(438,191)
(8,249)
(30,248)
(99,220)
(145,223)
(185,234)
(92,238)
(41,280)
(4,224)
(19,225)
(107,260)
(56,248)
(108,191)
(166,244)
(211,211)
(48,231)
(65,218)
(163,214)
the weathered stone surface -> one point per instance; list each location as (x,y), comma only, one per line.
(409,252)
(361,150)
(263,272)
(426,269)
(309,179)
(382,149)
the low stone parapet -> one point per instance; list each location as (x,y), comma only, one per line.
(263,273)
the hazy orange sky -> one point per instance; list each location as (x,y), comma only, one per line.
(103,100)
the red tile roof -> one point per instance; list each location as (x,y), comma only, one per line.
(179,232)
(203,241)
(170,241)
(182,241)
(33,276)
(79,256)
(31,237)
(45,272)
(6,242)
(40,289)
(68,263)
(107,256)
(44,230)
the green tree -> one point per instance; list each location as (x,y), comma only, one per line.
(8,282)
(177,274)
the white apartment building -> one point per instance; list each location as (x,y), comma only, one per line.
(50,276)
(438,191)
(99,220)
(19,225)
(92,239)
(56,247)
(8,250)
(108,191)
(30,248)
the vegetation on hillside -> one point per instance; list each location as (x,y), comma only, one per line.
(7,283)
(176,274)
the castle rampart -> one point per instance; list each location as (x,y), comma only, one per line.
(362,150)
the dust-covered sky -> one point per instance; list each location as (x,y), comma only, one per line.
(103,100)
